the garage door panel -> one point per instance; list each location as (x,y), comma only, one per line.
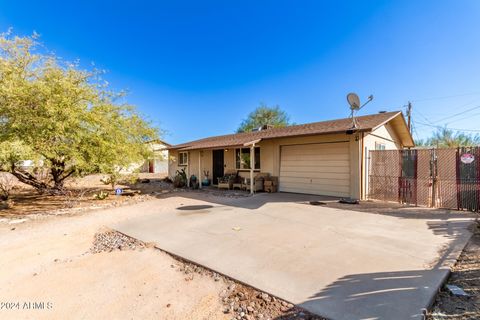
(316,169)
(324,187)
(324,192)
(322,150)
(309,163)
(315,181)
(317,157)
(324,175)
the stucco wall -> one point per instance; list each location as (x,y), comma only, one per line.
(385,135)
(270,157)
(172,163)
(193,164)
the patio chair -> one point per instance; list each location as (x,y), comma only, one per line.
(257,182)
(226,182)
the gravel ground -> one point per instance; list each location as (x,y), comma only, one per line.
(466,275)
(111,240)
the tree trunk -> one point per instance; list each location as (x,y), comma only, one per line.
(58,177)
(31,180)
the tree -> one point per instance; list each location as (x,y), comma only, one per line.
(446,138)
(264,115)
(63,118)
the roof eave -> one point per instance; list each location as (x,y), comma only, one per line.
(405,136)
(227,146)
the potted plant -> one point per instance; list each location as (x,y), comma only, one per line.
(206,181)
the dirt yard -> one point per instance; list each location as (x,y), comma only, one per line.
(68,266)
(60,261)
(80,196)
(466,275)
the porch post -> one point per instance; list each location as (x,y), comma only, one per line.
(200,169)
(252,166)
(252,161)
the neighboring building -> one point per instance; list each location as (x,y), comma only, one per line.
(159,162)
(325,158)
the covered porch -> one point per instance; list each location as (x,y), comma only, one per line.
(244,162)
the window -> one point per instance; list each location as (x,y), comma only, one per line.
(242,158)
(182,158)
(379,146)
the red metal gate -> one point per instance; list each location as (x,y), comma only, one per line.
(444,178)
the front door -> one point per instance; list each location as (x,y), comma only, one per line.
(151,166)
(217,165)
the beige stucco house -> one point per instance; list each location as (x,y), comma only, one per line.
(158,162)
(325,158)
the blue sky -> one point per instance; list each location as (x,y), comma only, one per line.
(197,68)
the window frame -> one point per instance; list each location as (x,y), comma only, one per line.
(238,163)
(380,145)
(185,158)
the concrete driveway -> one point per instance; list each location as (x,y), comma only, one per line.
(338,263)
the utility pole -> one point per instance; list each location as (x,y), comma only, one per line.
(409,116)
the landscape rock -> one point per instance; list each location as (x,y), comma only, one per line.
(111,240)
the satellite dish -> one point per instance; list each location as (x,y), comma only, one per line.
(353,101)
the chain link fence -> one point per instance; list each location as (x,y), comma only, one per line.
(442,178)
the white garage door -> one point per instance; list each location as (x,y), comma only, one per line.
(316,169)
(161,166)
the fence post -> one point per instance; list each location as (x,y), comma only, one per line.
(433,175)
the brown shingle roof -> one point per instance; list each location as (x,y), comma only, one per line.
(365,123)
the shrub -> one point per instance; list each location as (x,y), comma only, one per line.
(180,179)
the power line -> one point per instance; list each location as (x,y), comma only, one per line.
(469,116)
(451,116)
(441,127)
(446,97)
(415,132)
(424,118)
(459,113)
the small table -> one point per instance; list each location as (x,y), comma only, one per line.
(237,185)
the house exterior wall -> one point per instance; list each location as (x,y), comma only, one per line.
(173,163)
(159,158)
(359,146)
(192,168)
(384,135)
(270,157)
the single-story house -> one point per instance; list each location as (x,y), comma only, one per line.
(158,162)
(325,158)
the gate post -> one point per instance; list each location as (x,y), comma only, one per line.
(433,175)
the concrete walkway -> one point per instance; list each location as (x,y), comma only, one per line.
(340,264)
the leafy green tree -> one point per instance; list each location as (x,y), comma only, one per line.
(446,138)
(64,118)
(264,115)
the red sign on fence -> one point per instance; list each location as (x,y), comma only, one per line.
(467,158)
